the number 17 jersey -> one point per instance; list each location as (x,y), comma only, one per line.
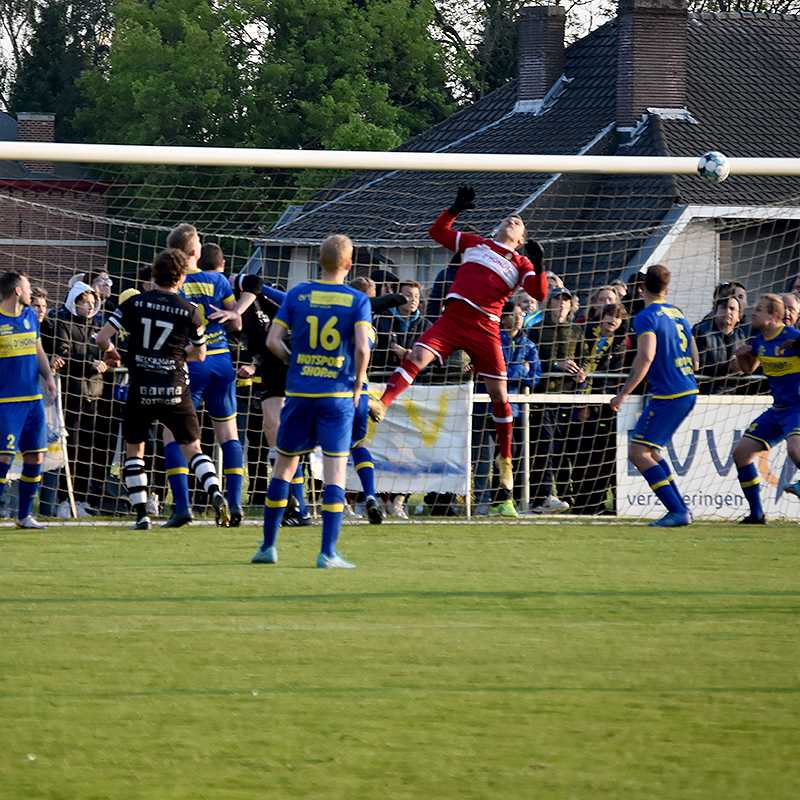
(322,318)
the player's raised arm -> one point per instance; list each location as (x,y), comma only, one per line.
(645,353)
(535,281)
(442,231)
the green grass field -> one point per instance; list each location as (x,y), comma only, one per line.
(541,661)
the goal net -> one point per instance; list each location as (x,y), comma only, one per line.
(434,454)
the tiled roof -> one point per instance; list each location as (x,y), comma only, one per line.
(743,74)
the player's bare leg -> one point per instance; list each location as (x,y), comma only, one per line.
(744,455)
(28,484)
(416,361)
(655,470)
(497,388)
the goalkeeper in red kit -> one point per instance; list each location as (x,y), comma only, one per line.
(490,271)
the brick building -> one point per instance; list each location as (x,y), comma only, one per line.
(51,215)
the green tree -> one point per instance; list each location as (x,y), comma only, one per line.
(49,68)
(336,73)
(170,77)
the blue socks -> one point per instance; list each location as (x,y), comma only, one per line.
(661,482)
(332,513)
(298,493)
(178,476)
(277,500)
(233,470)
(29,482)
(4,468)
(750,483)
(362,459)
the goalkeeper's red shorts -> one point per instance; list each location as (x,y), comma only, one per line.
(462,327)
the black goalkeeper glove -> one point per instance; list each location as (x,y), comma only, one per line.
(535,253)
(465,199)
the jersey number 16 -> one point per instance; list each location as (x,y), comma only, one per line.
(328,337)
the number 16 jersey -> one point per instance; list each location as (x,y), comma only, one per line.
(159,326)
(322,318)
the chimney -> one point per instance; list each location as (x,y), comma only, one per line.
(36,128)
(651,57)
(540,51)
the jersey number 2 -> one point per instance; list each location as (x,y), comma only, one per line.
(328,337)
(166,330)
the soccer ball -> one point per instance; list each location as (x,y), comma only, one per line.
(713,167)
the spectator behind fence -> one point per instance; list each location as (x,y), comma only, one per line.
(717,337)
(102,284)
(560,345)
(400,328)
(598,299)
(791,309)
(532,315)
(604,351)
(77,359)
(620,287)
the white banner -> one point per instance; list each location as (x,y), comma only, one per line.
(54,457)
(701,455)
(423,444)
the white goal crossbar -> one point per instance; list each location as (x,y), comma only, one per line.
(382,161)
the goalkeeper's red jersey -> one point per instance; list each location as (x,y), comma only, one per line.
(489,272)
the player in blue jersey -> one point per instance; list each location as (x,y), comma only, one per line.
(667,356)
(776,348)
(22,364)
(329,324)
(212,381)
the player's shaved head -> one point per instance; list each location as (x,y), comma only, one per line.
(336,253)
(183,237)
(656,279)
(169,267)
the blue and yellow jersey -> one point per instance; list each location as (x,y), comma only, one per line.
(780,360)
(671,374)
(322,318)
(206,289)
(19,365)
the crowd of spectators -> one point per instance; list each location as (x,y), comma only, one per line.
(568,349)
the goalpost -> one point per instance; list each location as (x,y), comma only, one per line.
(106,208)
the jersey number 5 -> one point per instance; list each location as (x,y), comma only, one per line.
(166,330)
(328,337)
(682,337)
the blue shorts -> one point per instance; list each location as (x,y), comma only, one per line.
(661,418)
(360,421)
(310,421)
(774,425)
(23,427)
(213,382)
